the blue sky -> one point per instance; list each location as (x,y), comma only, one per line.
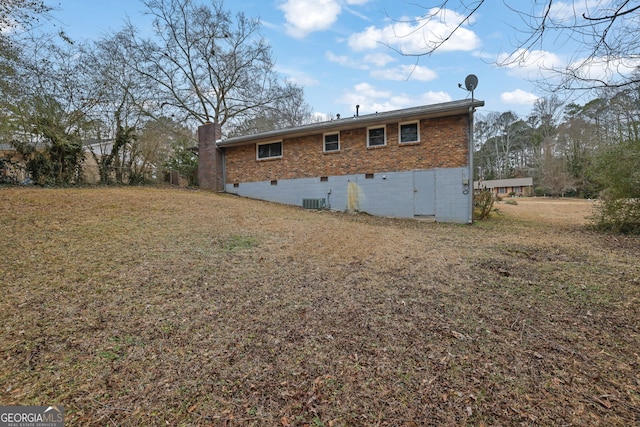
(344,51)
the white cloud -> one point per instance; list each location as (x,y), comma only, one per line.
(345,61)
(435,97)
(531,64)
(608,69)
(369,38)
(415,36)
(405,72)
(297,76)
(357,14)
(369,91)
(564,12)
(269,25)
(306,16)
(539,64)
(372,99)
(368,97)
(378,59)
(518,97)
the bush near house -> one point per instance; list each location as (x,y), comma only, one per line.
(483,204)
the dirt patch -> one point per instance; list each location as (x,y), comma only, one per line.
(137,306)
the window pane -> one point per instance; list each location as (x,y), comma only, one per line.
(263,151)
(409,132)
(331,138)
(270,150)
(276,149)
(331,142)
(376,136)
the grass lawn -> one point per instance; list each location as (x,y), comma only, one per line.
(156,307)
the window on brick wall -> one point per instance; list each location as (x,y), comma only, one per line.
(331,142)
(272,150)
(409,133)
(376,136)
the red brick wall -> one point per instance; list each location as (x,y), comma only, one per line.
(209,158)
(443,144)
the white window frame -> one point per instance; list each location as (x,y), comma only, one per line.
(417,123)
(269,157)
(384,135)
(324,142)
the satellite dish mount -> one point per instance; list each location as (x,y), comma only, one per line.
(471,83)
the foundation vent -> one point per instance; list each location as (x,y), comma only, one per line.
(313,203)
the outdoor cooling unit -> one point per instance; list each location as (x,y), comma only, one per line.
(313,203)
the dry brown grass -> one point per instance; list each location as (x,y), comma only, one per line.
(558,211)
(139,306)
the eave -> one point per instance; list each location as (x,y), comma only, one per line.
(415,113)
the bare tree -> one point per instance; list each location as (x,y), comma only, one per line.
(503,145)
(546,115)
(115,97)
(607,35)
(552,165)
(205,64)
(578,140)
(21,13)
(288,110)
(42,111)
(157,142)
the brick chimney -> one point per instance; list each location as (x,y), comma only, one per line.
(210,166)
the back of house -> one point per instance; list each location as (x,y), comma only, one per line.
(414,162)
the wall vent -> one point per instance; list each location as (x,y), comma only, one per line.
(313,203)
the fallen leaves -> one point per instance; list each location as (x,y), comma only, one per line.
(205,309)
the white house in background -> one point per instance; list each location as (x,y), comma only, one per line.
(506,187)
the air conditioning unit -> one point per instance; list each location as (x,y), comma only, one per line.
(313,203)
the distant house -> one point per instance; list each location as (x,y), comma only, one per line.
(94,149)
(507,187)
(413,162)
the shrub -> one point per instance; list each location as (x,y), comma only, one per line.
(482,204)
(185,162)
(618,169)
(540,192)
(618,216)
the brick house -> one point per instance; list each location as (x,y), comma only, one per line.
(507,187)
(407,163)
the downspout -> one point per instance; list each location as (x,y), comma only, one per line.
(470,186)
(223,160)
(218,137)
(222,186)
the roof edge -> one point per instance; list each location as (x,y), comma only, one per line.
(425,111)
